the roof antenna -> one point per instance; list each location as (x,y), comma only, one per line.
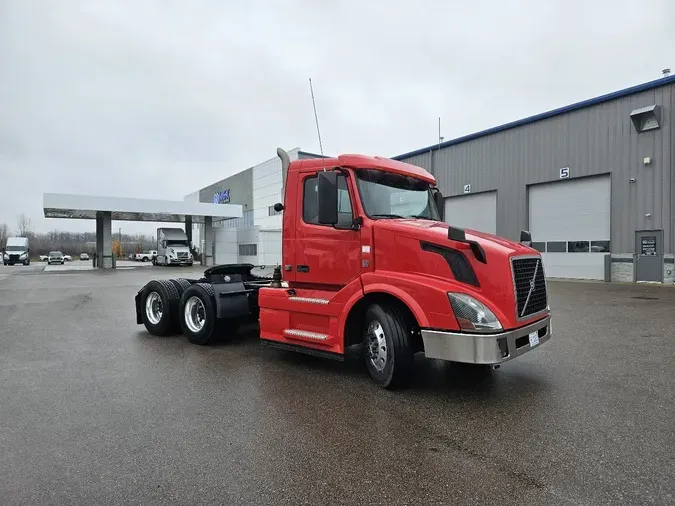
(316,118)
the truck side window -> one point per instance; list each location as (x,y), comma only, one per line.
(310,202)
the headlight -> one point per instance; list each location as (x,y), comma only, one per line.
(23,255)
(473,315)
(6,256)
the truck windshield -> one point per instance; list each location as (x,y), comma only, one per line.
(387,195)
(176,243)
(16,248)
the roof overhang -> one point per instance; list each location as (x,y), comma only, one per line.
(86,207)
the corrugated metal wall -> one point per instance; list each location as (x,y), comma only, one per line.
(595,140)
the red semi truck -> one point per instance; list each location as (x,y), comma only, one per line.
(367,259)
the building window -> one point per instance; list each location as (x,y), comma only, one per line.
(556,247)
(248,250)
(578,247)
(310,202)
(271,211)
(599,246)
(539,246)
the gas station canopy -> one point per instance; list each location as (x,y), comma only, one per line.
(69,206)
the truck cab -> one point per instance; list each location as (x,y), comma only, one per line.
(173,247)
(16,251)
(367,258)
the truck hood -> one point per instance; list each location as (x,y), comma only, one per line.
(411,246)
(437,232)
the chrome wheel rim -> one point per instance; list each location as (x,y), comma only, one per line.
(154,308)
(376,346)
(195,315)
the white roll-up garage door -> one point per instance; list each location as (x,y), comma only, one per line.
(570,225)
(477,211)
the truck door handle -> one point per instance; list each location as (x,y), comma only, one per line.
(303,268)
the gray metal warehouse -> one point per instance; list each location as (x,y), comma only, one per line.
(592,181)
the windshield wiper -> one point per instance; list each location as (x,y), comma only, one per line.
(387,216)
(422,217)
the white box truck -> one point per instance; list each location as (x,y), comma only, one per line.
(16,251)
(173,247)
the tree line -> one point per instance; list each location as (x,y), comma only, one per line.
(72,243)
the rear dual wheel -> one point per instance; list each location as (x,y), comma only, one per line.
(198,318)
(160,303)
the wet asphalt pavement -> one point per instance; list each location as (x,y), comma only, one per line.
(93,410)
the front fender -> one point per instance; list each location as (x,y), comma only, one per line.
(425,296)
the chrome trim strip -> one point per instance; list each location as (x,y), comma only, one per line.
(481,348)
(305,333)
(309,300)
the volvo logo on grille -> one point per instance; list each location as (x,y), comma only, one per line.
(531,284)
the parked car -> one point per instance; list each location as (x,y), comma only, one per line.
(146,256)
(44,258)
(55,257)
(84,256)
(67,258)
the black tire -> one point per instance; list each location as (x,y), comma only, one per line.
(181,285)
(145,259)
(169,298)
(205,294)
(397,363)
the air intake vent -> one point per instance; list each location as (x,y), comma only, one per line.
(459,265)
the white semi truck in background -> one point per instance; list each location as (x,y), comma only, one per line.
(173,247)
(16,251)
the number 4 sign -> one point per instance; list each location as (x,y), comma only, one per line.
(467,188)
(564,173)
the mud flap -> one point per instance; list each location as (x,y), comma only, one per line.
(139,309)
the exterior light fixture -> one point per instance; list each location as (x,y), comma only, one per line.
(646,118)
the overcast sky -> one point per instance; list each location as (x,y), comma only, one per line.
(157,99)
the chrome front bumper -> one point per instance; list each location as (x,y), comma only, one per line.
(485,348)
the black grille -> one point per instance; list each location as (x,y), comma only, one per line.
(459,265)
(14,257)
(524,271)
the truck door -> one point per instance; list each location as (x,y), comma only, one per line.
(326,256)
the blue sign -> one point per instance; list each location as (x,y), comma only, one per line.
(221,197)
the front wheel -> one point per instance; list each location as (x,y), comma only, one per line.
(388,347)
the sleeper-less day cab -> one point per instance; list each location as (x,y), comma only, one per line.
(367,259)
(16,251)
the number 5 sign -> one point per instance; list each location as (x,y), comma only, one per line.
(564,173)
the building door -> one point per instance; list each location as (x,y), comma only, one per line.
(570,225)
(477,211)
(649,255)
